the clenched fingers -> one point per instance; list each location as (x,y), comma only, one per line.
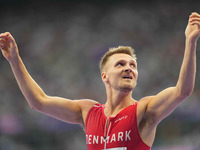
(194,19)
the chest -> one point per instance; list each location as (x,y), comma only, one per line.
(119,132)
(114,129)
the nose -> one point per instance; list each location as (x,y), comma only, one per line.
(127,69)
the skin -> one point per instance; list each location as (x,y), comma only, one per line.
(150,111)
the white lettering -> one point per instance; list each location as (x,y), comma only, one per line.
(95,139)
(120,136)
(89,139)
(107,138)
(86,139)
(128,135)
(123,117)
(102,139)
(113,138)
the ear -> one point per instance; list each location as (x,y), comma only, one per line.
(104,77)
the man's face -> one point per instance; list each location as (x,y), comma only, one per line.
(121,72)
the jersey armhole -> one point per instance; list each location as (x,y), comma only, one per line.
(86,121)
(137,127)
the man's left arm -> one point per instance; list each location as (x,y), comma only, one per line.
(167,100)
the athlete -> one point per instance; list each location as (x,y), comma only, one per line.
(122,123)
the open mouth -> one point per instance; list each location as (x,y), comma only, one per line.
(127,77)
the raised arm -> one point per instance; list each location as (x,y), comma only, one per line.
(151,110)
(161,105)
(73,111)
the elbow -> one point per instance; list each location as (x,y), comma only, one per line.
(35,106)
(36,103)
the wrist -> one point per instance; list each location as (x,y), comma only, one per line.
(14,59)
(190,45)
(191,41)
(192,38)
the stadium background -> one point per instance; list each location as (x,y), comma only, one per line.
(61,43)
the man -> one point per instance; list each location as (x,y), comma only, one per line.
(122,123)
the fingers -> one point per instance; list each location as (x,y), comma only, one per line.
(4,35)
(2,41)
(194,19)
(194,15)
(5,38)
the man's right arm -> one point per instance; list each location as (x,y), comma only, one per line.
(72,111)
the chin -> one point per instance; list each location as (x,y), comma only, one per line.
(127,88)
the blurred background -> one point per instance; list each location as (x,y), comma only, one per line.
(61,43)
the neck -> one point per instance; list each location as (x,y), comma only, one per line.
(116,101)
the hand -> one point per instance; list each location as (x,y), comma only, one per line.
(8,46)
(193,28)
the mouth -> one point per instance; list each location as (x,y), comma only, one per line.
(127,77)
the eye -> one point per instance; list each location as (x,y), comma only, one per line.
(133,65)
(120,64)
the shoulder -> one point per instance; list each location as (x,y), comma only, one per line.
(143,102)
(86,103)
(85,106)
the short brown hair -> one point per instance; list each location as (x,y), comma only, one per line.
(120,49)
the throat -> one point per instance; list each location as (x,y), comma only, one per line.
(112,110)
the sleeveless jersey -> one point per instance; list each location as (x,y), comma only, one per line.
(113,133)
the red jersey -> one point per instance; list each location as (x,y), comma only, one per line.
(113,133)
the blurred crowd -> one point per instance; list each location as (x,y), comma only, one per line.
(61,43)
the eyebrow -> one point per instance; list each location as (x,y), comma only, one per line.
(132,61)
(123,61)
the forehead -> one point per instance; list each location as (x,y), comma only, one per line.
(120,56)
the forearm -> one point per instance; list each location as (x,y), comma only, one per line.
(30,89)
(186,81)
